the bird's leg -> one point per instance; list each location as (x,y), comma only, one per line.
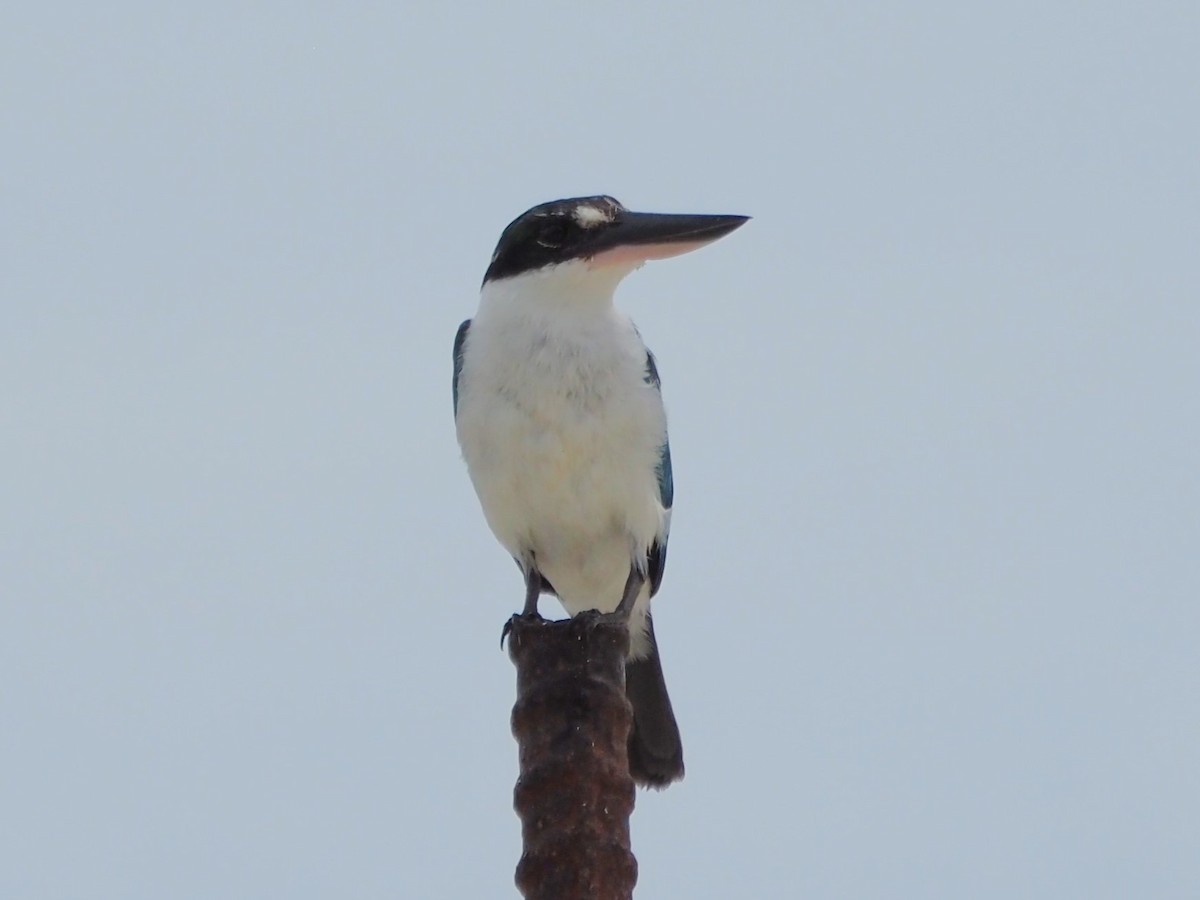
(633,587)
(533,589)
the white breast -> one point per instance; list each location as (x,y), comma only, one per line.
(561,435)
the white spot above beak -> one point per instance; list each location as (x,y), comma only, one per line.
(588,216)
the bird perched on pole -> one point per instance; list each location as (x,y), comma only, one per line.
(559,412)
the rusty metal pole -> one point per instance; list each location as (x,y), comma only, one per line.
(574,795)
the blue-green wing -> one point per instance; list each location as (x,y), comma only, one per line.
(459,340)
(657,559)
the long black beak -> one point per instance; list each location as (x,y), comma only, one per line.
(642,236)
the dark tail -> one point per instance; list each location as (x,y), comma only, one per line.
(655,750)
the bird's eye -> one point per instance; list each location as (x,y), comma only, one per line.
(553,232)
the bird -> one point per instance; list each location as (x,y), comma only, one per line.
(559,413)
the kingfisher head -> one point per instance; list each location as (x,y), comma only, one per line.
(597,235)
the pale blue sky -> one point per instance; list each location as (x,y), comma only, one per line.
(930,617)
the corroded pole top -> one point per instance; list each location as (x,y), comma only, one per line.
(574,795)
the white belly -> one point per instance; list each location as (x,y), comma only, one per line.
(561,435)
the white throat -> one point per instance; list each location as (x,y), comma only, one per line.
(576,286)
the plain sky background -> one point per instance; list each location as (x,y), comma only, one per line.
(930,618)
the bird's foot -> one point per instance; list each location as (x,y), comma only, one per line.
(595,617)
(589,619)
(517,617)
(592,625)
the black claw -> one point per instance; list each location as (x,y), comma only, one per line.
(508,626)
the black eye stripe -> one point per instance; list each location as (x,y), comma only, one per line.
(553,231)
